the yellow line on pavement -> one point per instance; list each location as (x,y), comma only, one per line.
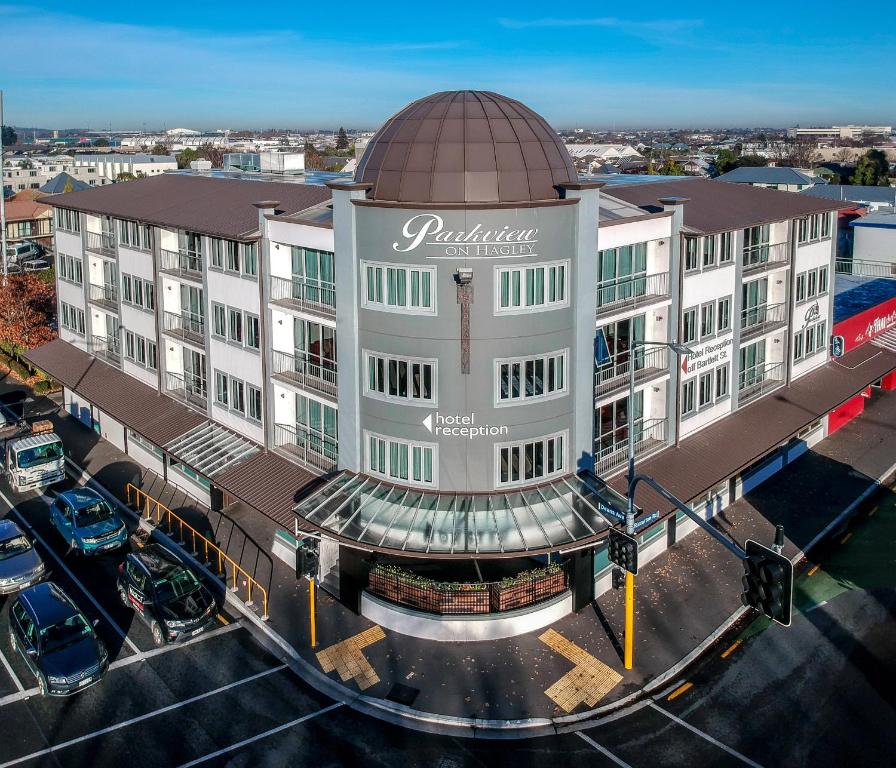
(680,690)
(731,649)
(846,538)
(222,619)
(812,570)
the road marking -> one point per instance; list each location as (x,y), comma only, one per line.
(871,513)
(105,614)
(812,570)
(603,750)
(143,655)
(817,605)
(222,619)
(260,736)
(12,674)
(846,538)
(702,734)
(14,697)
(141,718)
(731,650)
(680,690)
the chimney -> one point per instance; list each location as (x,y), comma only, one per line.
(265,208)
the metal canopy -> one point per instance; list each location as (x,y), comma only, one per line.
(381,516)
(210,448)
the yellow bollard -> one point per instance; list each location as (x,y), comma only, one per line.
(629,618)
(313,618)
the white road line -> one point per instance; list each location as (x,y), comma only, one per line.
(710,739)
(12,674)
(143,655)
(14,697)
(603,750)
(124,635)
(140,718)
(260,736)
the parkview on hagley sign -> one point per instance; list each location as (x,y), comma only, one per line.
(429,229)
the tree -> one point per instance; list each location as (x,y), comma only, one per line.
(159,149)
(671,167)
(726,161)
(10,136)
(799,154)
(101,142)
(212,153)
(313,159)
(752,161)
(844,155)
(186,156)
(27,306)
(341,139)
(873,169)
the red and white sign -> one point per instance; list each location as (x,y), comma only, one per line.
(866,325)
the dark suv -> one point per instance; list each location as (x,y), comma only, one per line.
(166,594)
(56,640)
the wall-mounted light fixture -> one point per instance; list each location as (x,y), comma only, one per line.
(463,276)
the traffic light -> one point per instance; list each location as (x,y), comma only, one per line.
(768,582)
(307,559)
(618,578)
(623,551)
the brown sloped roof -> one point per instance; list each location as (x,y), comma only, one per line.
(703,460)
(465,147)
(209,205)
(718,206)
(26,210)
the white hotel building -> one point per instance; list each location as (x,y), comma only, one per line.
(245,338)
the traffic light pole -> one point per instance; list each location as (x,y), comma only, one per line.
(629,632)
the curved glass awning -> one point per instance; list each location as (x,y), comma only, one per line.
(380,516)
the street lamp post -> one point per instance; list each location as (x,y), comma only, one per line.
(680,350)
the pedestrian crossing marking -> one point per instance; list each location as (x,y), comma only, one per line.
(349,662)
(587,682)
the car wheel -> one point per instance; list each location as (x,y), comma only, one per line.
(158,636)
(42,683)
(123,596)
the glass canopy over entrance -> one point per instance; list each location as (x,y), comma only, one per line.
(381,516)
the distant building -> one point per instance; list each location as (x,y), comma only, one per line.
(871,198)
(94,170)
(606,153)
(785,179)
(840,132)
(28,220)
(874,239)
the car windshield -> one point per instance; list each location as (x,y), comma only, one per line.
(40,454)
(14,546)
(178,583)
(64,633)
(97,512)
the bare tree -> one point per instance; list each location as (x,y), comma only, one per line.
(212,152)
(801,154)
(845,155)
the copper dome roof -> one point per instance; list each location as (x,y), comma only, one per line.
(465,147)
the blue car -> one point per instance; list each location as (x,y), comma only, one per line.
(87,522)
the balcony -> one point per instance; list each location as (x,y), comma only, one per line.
(188,388)
(309,447)
(630,292)
(763,257)
(296,293)
(101,242)
(105,296)
(759,380)
(306,371)
(185,326)
(182,263)
(106,348)
(755,321)
(611,449)
(612,375)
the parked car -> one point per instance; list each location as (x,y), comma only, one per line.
(20,565)
(21,252)
(87,522)
(56,640)
(35,265)
(166,594)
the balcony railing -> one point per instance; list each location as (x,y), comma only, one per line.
(629,292)
(760,379)
(611,449)
(310,447)
(865,268)
(188,387)
(307,371)
(186,325)
(318,298)
(101,242)
(106,347)
(755,321)
(764,256)
(613,374)
(183,263)
(105,295)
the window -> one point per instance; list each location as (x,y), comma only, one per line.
(705,390)
(217,253)
(313,276)
(531,378)
(814,227)
(690,325)
(231,256)
(402,461)
(688,404)
(405,378)
(726,250)
(250,259)
(134,235)
(140,350)
(721,382)
(520,463)
(825,224)
(811,283)
(709,251)
(621,273)
(801,287)
(723,315)
(66,219)
(221,388)
(810,340)
(71,269)
(756,245)
(822,280)
(254,397)
(531,288)
(237,396)
(251,325)
(219,320)
(399,289)
(691,250)
(138,292)
(798,346)
(707,320)
(234,325)
(317,426)
(72,318)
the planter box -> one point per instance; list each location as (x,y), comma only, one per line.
(428,599)
(527,592)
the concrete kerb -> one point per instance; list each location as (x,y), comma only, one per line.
(402,715)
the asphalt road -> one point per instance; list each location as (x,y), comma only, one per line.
(820,692)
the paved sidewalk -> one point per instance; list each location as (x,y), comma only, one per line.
(682,596)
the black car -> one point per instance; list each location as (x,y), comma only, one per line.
(166,594)
(56,640)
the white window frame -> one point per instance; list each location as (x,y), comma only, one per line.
(394,308)
(561,354)
(410,361)
(521,445)
(411,445)
(545,306)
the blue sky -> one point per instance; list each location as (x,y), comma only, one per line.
(229,65)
